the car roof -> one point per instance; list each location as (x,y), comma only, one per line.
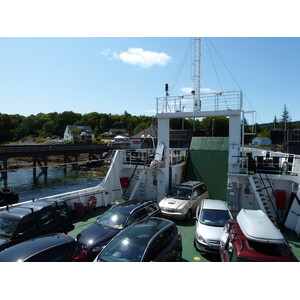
(26,208)
(131,205)
(146,229)
(191,183)
(256,226)
(37,205)
(214,204)
(15,212)
(246,251)
(26,249)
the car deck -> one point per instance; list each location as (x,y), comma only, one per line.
(187,230)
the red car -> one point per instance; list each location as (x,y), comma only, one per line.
(253,237)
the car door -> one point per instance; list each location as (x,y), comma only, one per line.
(64,218)
(47,221)
(170,245)
(27,228)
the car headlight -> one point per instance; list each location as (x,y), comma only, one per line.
(200,237)
(182,210)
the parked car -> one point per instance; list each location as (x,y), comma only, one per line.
(48,248)
(211,216)
(182,201)
(32,219)
(153,239)
(96,236)
(253,237)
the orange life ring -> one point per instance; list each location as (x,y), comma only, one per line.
(91,202)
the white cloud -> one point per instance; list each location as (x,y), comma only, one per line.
(142,58)
(105,52)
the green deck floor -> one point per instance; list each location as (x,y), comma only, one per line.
(187,230)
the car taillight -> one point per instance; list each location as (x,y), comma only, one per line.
(80,256)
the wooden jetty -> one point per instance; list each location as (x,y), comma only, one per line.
(39,155)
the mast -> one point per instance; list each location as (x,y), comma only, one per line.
(196,77)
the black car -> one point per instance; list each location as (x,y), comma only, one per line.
(32,219)
(48,248)
(96,236)
(153,239)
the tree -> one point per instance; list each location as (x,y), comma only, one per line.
(275,123)
(285,117)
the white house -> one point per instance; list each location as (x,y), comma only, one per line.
(261,141)
(85,132)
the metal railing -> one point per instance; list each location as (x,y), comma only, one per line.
(208,102)
(146,156)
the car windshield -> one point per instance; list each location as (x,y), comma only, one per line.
(126,249)
(7,227)
(115,218)
(181,193)
(214,217)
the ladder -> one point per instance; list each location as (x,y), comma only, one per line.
(263,197)
(137,178)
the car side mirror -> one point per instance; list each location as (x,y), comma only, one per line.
(19,234)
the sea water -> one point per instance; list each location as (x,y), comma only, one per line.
(22,182)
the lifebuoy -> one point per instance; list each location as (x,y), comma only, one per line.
(91,202)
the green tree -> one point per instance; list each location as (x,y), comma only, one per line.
(285,118)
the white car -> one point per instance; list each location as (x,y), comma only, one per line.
(183,200)
(211,217)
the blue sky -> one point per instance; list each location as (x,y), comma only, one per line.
(111,75)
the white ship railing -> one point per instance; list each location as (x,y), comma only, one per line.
(218,101)
(146,156)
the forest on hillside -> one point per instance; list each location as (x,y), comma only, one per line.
(46,125)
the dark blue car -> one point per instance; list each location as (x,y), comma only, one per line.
(152,239)
(96,236)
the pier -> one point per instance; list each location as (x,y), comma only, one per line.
(39,155)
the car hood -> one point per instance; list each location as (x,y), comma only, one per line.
(173,203)
(96,234)
(210,232)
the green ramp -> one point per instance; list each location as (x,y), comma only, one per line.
(208,162)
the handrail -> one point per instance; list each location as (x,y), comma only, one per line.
(266,189)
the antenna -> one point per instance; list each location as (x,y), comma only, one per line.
(167,89)
(196,77)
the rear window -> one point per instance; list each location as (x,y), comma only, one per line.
(126,249)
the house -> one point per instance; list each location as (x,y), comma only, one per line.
(261,141)
(81,132)
(118,131)
(147,138)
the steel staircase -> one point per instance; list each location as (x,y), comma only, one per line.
(134,177)
(263,196)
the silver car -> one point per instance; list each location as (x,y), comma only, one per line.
(211,217)
(183,200)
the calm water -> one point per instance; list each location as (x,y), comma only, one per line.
(22,182)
